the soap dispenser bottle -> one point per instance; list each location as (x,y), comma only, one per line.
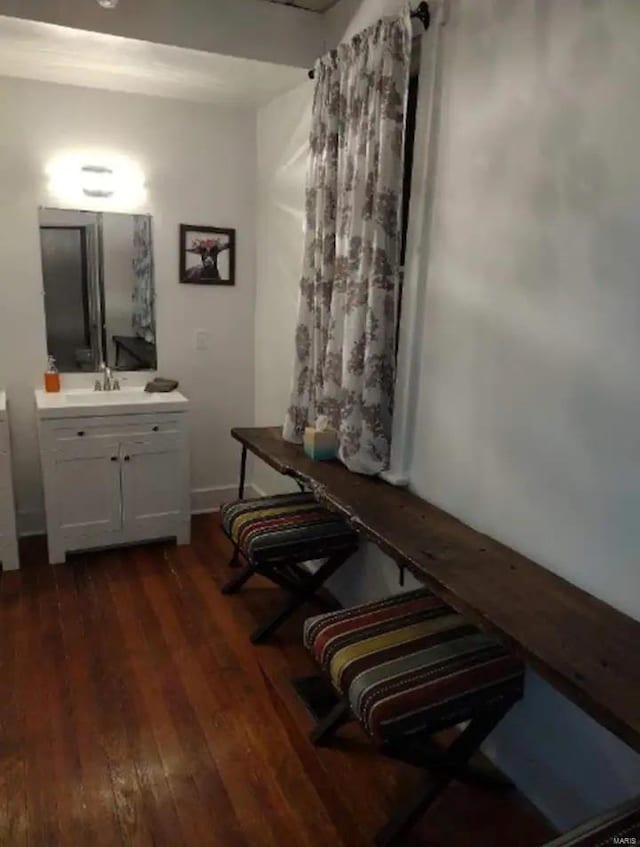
(51,377)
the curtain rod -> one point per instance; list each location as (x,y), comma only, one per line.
(422,13)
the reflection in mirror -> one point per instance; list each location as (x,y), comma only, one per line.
(99,292)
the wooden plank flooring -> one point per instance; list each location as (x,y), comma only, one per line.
(133,710)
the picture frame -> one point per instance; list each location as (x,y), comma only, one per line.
(207,255)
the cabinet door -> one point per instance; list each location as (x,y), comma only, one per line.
(153,487)
(86,492)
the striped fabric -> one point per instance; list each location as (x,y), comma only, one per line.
(287,527)
(620,826)
(411,663)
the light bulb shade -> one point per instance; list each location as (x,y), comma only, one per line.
(97,181)
(108,4)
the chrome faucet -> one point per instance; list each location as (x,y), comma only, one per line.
(108,382)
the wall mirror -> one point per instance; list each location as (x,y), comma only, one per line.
(99,289)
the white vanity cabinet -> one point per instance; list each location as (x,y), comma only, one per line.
(119,475)
(8,535)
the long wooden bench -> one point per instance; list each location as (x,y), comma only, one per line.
(588,650)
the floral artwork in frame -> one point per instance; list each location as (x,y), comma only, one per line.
(207,255)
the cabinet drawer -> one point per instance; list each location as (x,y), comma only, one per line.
(90,429)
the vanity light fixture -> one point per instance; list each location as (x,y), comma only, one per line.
(97,181)
(97,175)
(108,4)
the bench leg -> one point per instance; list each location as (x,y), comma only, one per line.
(234,561)
(428,754)
(455,760)
(306,591)
(243,472)
(396,831)
(266,629)
(325,728)
(234,585)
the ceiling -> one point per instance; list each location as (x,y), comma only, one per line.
(311,5)
(51,53)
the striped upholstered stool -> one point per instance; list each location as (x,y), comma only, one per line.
(275,535)
(405,668)
(620,826)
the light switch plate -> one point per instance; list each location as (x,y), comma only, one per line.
(202,339)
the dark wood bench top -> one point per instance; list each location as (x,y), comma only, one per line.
(584,647)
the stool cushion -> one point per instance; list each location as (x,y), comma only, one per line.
(410,663)
(287,527)
(619,826)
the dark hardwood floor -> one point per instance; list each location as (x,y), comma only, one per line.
(133,710)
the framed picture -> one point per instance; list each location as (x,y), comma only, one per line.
(207,255)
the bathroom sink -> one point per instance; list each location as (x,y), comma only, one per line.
(131,400)
(83,396)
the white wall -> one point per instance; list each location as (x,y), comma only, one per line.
(199,164)
(251,29)
(528,398)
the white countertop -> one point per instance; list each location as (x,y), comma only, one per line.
(86,402)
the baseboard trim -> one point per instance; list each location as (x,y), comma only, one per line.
(206,500)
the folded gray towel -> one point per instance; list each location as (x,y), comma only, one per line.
(159,385)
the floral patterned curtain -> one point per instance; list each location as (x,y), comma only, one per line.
(143,293)
(345,337)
